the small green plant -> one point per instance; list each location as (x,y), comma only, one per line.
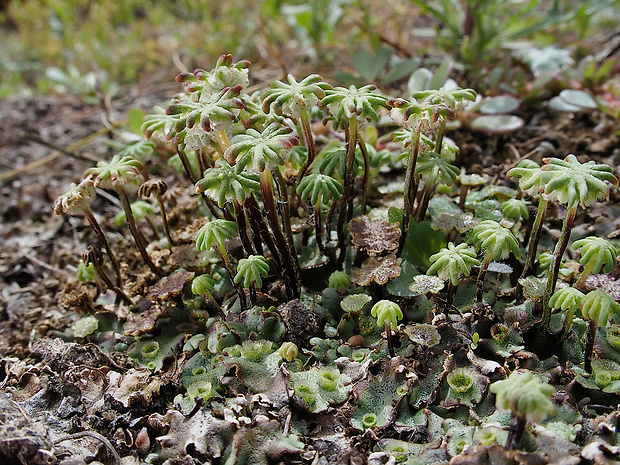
(77,200)
(497,242)
(251,270)
(568,299)
(598,307)
(387,314)
(526,396)
(450,264)
(596,254)
(114,175)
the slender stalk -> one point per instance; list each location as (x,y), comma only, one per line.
(462,196)
(289,273)
(449,298)
(284,210)
(194,179)
(258,227)
(484,266)
(517,427)
(187,166)
(410,190)
(309,141)
(231,272)
(243,233)
(318,227)
(135,232)
(347,198)
(164,220)
(362,146)
(554,270)
(103,239)
(587,271)
(390,342)
(427,194)
(93,255)
(153,226)
(568,322)
(532,246)
(215,305)
(590,338)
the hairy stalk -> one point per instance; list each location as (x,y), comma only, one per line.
(532,245)
(289,273)
(93,255)
(192,176)
(164,220)
(284,209)
(243,233)
(255,218)
(517,427)
(589,349)
(318,227)
(231,272)
(346,205)
(410,190)
(309,141)
(103,239)
(135,232)
(449,298)
(362,146)
(554,270)
(484,266)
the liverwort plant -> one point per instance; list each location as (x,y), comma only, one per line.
(349,109)
(598,307)
(428,110)
(203,285)
(316,188)
(251,270)
(596,254)
(527,397)
(568,299)
(294,100)
(114,175)
(387,314)
(264,152)
(226,185)
(497,243)
(450,264)
(571,183)
(215,233)
(158,188)
(77,200)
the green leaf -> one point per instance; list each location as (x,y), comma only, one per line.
(401,69)
(422,242)
(441,75)
(369,64)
